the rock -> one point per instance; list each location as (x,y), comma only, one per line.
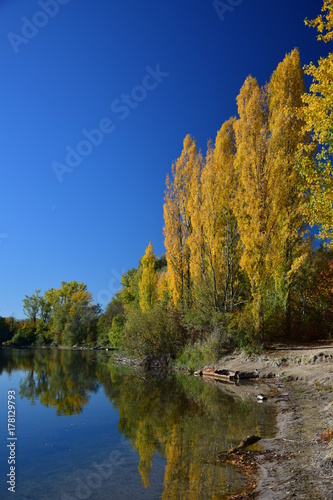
(247,375)
(261,397)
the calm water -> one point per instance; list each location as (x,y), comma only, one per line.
(88,429)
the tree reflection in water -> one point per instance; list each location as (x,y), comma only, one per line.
(60,380)
(180,418)
(188,422)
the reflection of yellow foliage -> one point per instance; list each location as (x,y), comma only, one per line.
(58,382)
(188,474)
(145,444)
(68,405)
(182,419)
(189,423)
(173,456)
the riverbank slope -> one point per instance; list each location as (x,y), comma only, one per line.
(298,463)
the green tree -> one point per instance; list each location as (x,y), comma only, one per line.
(6,332)
(32,305)
(74,316)
(114,308)
(130,288)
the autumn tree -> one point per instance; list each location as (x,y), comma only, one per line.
(312,297)
(318,118)
(163,295)
(253,206)
(148,281)
(287,134)
(74,316)
(214,240)
(177,222)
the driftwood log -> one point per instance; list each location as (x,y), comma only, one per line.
(227,374)
(246,442)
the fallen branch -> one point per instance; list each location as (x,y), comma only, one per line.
(246,442)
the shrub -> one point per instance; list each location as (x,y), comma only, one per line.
(195,356)
(154,335)
(24,336)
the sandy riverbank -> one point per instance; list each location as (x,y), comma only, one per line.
(298,463)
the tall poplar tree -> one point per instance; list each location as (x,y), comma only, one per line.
(253,205)
(215,238)
(177,223)
(148,281)
(287,134)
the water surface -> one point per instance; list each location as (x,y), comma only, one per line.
(88,429)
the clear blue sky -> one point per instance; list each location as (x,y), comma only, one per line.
(71,72)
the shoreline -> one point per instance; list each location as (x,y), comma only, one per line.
(298,462)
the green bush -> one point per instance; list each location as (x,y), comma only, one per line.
(41,334)
(241,327)
(198,354)
(24,336)
(153,335)
(195,356)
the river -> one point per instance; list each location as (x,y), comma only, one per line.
(86,428)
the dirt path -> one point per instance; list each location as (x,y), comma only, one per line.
(298,463)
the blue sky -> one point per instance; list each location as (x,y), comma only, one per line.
(147,73)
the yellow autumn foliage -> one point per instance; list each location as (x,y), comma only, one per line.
(317,114)
(148,281)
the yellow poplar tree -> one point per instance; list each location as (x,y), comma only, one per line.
(253,200)
(148,281)
(318,117)
(177,222)
(215,238)
(162,287)
(287,134)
